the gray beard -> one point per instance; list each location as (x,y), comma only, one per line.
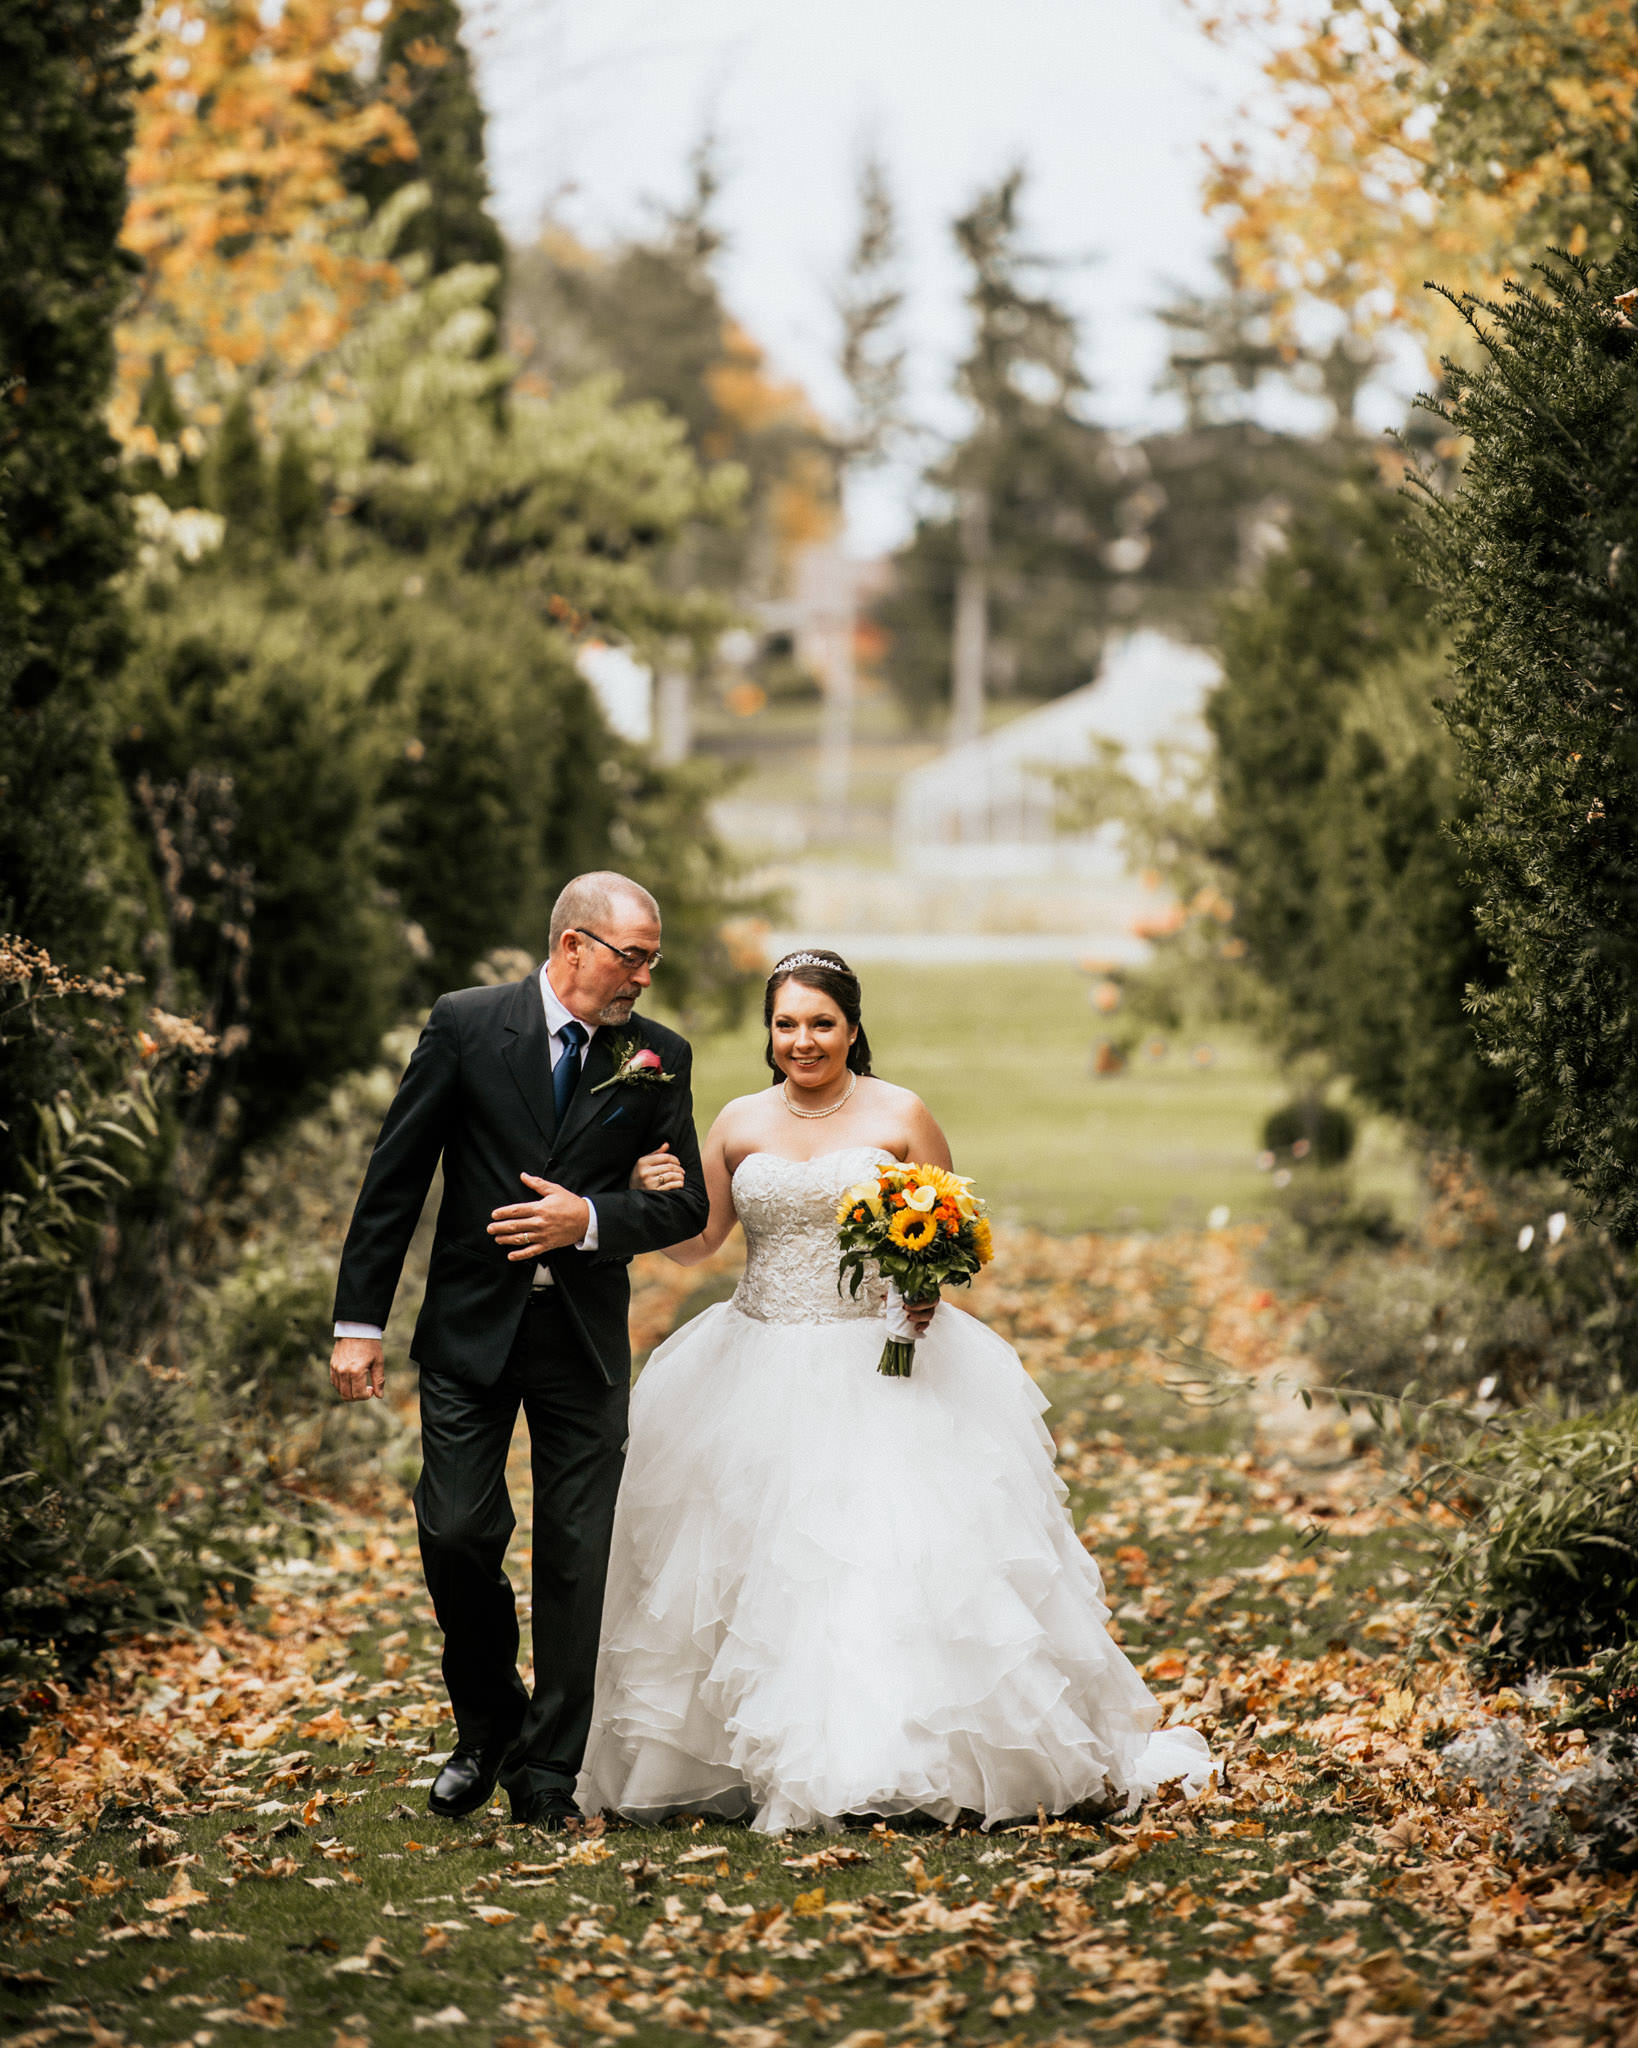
(617,1012)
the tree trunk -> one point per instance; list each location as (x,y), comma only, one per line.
(673,709)
(836,726)
(972,620)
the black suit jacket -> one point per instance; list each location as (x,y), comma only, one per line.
(478,1093)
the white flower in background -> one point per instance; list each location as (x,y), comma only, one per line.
(197,533)
(164,536)
(1557,1224)
(1527,1237)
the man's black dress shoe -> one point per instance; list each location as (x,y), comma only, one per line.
(467,1779)
(544,1810)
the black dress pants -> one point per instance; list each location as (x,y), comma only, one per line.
(463,1512)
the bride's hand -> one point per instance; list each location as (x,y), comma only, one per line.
(921,1314)
(657,1171)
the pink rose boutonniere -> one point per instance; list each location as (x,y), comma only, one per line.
(638,1064)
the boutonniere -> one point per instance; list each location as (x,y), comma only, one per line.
(638,1064)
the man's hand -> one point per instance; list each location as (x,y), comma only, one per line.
(357,1369)
(547,1224)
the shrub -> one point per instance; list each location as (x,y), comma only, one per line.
(1309,1130)
(260,1330)
(1557,1541)
(1505,1292)
(1536,560)
(1334,784)
(68,63)
(126,1499)
(367,758)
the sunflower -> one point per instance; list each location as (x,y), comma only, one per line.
(913,1231)
(983,1243)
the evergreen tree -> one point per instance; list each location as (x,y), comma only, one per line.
(1335,780)
(651,311)
(1008,588)
(1226,486)
(1224,348)
(63,145)
(1536,558)
(425,69)
(868,304)
(368,760)
(237,476)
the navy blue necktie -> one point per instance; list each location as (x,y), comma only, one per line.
(567,1071)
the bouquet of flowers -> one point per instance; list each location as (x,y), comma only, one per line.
(924,1229)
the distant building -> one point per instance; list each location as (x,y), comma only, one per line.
(623,686)
(990,808)
(980,869)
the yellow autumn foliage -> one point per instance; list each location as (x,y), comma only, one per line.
(246,117)
(1396,141)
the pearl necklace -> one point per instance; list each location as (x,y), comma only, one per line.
(829,1110)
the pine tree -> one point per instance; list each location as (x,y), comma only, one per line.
(651,310)
(868,303)
(237,476)
(424,66)
(63,145)
(870,357)
(1536,559)
(1008,588)
(1224,347)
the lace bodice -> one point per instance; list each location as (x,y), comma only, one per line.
(788,1210)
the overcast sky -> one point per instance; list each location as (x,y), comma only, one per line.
(595,104)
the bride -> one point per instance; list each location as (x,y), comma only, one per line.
(831,1593)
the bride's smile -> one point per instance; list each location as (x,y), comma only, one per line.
(810,1040)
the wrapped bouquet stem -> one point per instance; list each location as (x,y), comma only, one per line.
(899,1354)
(923,1229)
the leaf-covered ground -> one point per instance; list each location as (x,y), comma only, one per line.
(228,1838)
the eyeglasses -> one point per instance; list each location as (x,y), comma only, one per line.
(628,956)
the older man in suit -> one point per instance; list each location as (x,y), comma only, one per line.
(552,1085)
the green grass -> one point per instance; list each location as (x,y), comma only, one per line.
(1002,1056)
(583,1929)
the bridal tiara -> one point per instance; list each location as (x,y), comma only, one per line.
(836,966)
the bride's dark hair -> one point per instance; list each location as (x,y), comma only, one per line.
(829,973)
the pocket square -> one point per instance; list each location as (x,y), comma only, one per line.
(614,1116)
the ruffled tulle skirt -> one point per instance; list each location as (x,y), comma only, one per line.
(832,1593)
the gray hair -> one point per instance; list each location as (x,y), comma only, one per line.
(590,900)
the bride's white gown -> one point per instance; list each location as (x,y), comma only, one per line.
(834,1593)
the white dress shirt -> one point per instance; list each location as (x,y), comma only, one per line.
(557,1015)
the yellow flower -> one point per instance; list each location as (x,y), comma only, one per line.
(983,1242)
(862,1195)
(914,1232)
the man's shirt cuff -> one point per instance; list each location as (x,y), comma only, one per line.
(589,1242)
(359,1330)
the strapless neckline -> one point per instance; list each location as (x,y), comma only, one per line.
(784,1158)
